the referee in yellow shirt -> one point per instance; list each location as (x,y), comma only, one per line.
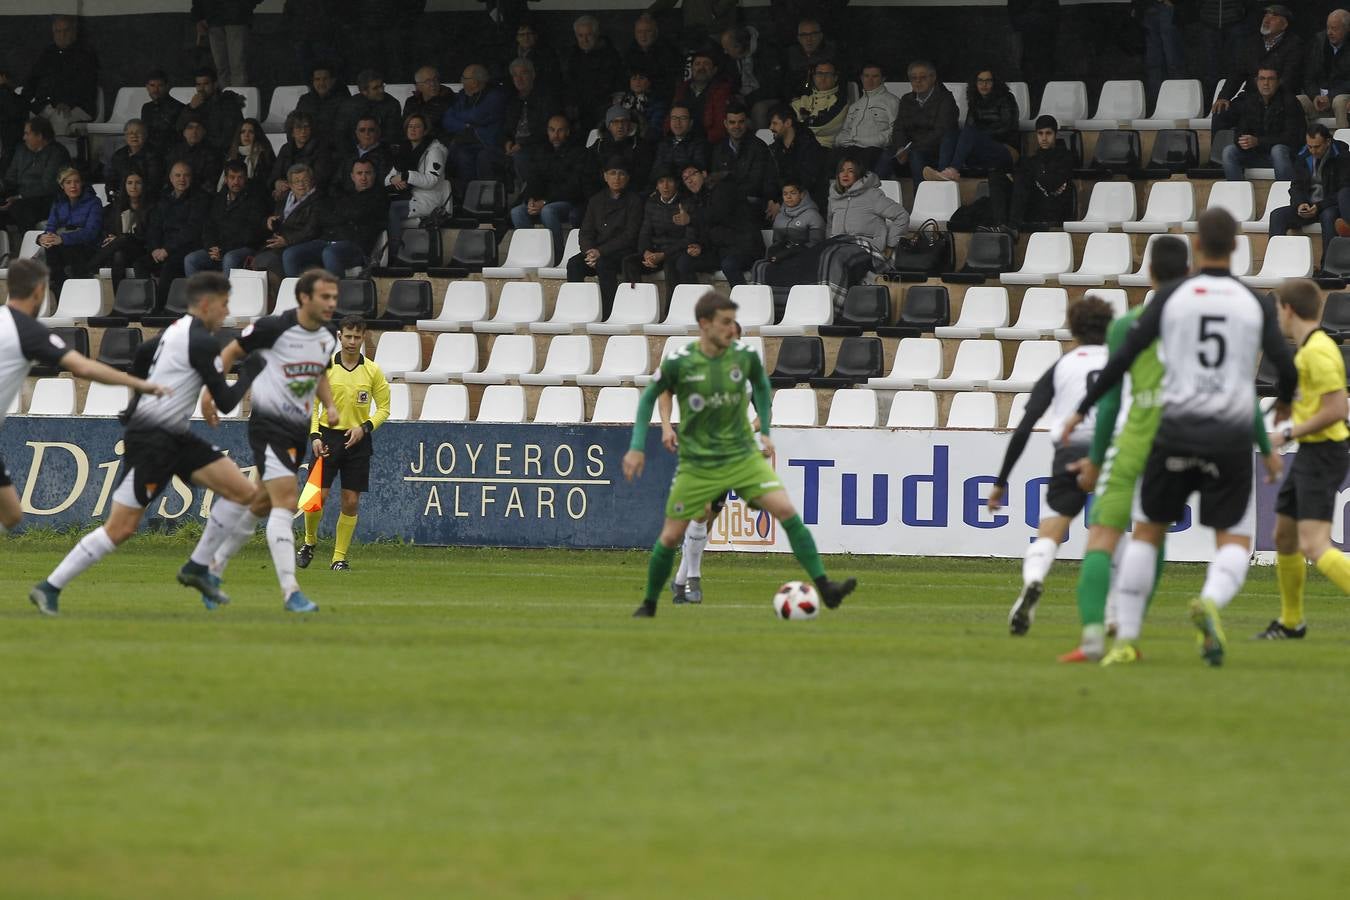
(347,449)
(1307,501)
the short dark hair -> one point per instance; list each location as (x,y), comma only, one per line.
(1168,259)
(42,127)
(710,304)
(352,323)
(784,112)
(206,284)
(25,277)
(791,180)
(1217,232)
(1302,297)
(205,72)
(366,76)
(322,66)
(310,278)
(736,107)
(1317,129)
(296,118)
(157,75)
(236,165)
(1089,317)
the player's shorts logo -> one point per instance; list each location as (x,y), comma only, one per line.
(696,402)
(363,397)
(735,374)
(679,507)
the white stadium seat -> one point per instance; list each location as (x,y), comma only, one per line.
(451,356)
(1179,101)
(680,318)
(982,310)
(569,355)
(891,189)
(1287,256)
(504,403)
(560,405)
(958,89)
(285,98)
(808,307)
(794,406)
(106,399)
(1241,263)
(917,359)
(1235,196)
(1018,410)
(53,397)
(14,404)
(1049,254)
(1119,103)
(445,403)
(625,357)
(913,409)
(1067,101)
(531,249)
(977,363)
(519,304)
(1277,196)
(1119,299)
(1202,123)
(1169,204)
(248,296)
(512,355)
(1106,256)
(126,106)
(1033,358)
(576,306)
(635,305)
(1110,204)
(616,406)
(286,296)
(936,200)
(1141,278)
(755,302)
(1043,311)
(853,408)
(465,302)
(1021,92)
(973,409)
(398,353)
(571,247)
(80,299)
(400,403)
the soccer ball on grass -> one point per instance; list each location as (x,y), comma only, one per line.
(796,600)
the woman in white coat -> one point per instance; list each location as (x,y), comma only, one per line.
(419,175)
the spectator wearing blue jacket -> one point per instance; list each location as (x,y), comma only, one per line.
(74,229)
(472,124)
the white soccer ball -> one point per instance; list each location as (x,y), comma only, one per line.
(796,600)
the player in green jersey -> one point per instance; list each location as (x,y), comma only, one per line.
(713,380)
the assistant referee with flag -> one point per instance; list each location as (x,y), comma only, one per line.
(347,449)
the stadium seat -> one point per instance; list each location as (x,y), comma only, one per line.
(399,352)
(1033,358)
(1106,256)
(1203,123)
(1179,101)
(52,397)
(765,135)
(867,307)
(127,103)
(1241,263)
(1118,104)
(982,310)
(615,406)
(1018,410)
(15,404)
(1169,204)
(519,304)
(1043,311)
(135,298)
(1235,196)
(936,200)
(465,303)
(1336,314)
(1175,151)
(512,355)
(989,253)
(1277,196)
(28,249)
(891,189)
(118,347)
(576,306)
(1140,278)
(913,409)
(560,405)
(286,296)
(973,409)
(106,399)
(475,248)
(958,89)
(1287,256)
(858,359)
(445,403)
(977,363)
(277,140)
(81,299)
(502,403)
(451,356)
(1336,257)
(680,318)
(924,308)
(419,248)
(484,201)
(531,250)
(795,407)
(1067,101)
(625,357)
(917,360)
(1116,153)
(899,88)
(800,358)
(571,247)
(1110,204)
(408,301)
(755,302)
(285,97)
(808,307)
(400,403)
(356,297)
(635,306)
(248,296)
(855,408)
(76,338)
(569,355)
(1049,254)
(1118,298)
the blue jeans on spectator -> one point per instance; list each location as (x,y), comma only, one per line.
(201,261)
(1164,51)
(339,256)
(1286,218)
(973,147)
(553,217)
(1279,157)
(335,256)
(296,260)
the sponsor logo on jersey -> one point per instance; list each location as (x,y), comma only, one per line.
(302,369)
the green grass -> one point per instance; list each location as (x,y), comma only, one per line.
(485,724)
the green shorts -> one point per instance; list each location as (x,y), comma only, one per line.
(694,487)
(1113,503)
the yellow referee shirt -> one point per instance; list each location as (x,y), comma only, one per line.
(1321,369)
(353,391)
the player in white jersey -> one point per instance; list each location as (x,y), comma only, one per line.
(1057,392)
(158,442)
(1210,328)
(297,347)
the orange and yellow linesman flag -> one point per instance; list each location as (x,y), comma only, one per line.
(311,498)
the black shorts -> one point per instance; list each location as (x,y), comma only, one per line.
(153,457)
(352,465)
(1224,481)
(5,480)
(278,449)
(1062,494)
(1313,481)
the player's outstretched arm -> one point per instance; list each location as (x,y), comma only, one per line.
(82,366)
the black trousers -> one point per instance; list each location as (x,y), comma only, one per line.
(606,270)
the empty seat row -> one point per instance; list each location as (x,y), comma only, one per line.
(1171,204)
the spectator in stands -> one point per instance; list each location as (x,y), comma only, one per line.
(1164,49)
(174,229)
(647,110)
(1275,48)
(797,155)
(609,232)
(429,97)
(1319,191)
(13,113)
(325,102)
(301,147)
(702,18)
(366,142)
(201,157)
(706,93)
(1039,191)
(473,124)
(620,138)
(225,24)
(138,155)
(296,219)
(824,108)
(251,147)
(661,240)
(220,111)
(927,116)
(234,226)
(312,29)
(30,184)
(812,46)
(1268,129)
(125,224)
(869,121)
(1036,26)
(797,224)
(370,101)
(1223,29)
(63,85)
(723,231)
(682,145)
(527,45)
(160,113)
(419,177)
(74,227)
(859,208)
(658,57)
(989,138)
(743,161)
(352,222)
(755,70)
(525,123)
(594,71)
(559,183)
(1326,82)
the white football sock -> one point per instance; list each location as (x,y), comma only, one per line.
(1226,574)
(244,527)
(1040,557)
(695,541)
(1133,584)
(221,523)
(92,547)
(281,541)
(1112,601)
(682,574)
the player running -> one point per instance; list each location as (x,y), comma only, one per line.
(347,449)
(1307,500)
(160,445)
(1209,329)
(1058,392)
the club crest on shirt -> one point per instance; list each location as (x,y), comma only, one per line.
(363,396)
(696,402)
(735,374)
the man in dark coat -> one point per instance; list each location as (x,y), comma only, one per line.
(1326,80)
(682,145)
(620,138)
(29,184)
(743,161)
(927,114)
(1268,128)
(1040,190)
(560,181)
(160,113)
(722,233)
(233,229)
(1320,189)
(663,237)
(609,233)
(594,72)
(220,112)
(63,85)
(1274,47)
(325,102)
(193,149)
(175,229)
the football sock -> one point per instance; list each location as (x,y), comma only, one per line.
(695,540)
(658,570)
(1040,557)
(281,541)
(1094,582)
(346,527)
(1227,572)
(1133,584)
(220,525)
(682,573)
(312,520)
(1157,575)
(92,547)
(1291,569)
(244,527)
(1336,567)
(804,547)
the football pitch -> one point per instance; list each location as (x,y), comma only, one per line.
(484,724)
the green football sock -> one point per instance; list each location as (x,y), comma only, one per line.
(1094,582)
(804,547)
(658,570)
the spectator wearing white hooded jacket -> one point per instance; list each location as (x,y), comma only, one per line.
(419,170)
(869,120)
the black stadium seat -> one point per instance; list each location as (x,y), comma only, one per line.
(1116,153)
(1174,151)
(989,253)
(1214,167)
(175,306)
(356,297)
(118,347)
(1336,313)
(1336,258)
(866,307)
(76,339)
(474,249)
(926,306)
(800,358)
(859,359)
(409,300)
(135,298)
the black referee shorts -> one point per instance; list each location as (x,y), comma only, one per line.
(1313,481)
(352,465)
